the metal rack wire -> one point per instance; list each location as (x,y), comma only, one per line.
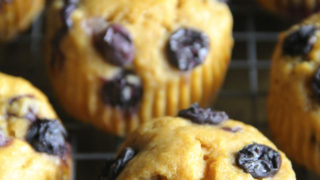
(243,95)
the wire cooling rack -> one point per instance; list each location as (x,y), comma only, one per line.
(243,95)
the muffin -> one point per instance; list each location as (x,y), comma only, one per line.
(198,144)
(116,64)
(17,15)
(32,140)
(291,8)
(294,95)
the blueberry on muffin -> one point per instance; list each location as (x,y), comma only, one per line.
(197,144)
(116,64)
(32,140)
(293,102)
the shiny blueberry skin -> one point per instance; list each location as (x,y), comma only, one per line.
(114,167)
(299,42)
(259,160)
(123,91)
(115,45)
(203,116)
(187,48)
(47,136)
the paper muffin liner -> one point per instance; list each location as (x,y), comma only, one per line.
(292,110)
(199,85)
(293,135)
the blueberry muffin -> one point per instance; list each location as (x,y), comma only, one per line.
(116,64)
(294,96)
(292,8)
(17,15)
(32,140)
(198,144)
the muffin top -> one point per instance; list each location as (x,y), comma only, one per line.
(32,139)
(296,61)
(198,144)
(159,40)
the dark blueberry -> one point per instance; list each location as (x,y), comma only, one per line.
(115,45)
(106,169)
(113,168)
(187,48)
(259,160)
(233,129)
(316,84)
(203,116)
(47,136)
(300,42)
(124,91)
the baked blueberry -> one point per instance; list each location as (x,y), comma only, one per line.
(187,48)
(30,148)
(300,41)
(203,116)
(115,45)
(113,168)
(124,91)
(259,160)
(47,136)
(110,37)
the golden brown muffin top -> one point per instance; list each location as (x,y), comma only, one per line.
(150,24)
(32,140)
(189,148)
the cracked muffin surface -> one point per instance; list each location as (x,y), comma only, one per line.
(17,15)
(181,148)
(116,64)
(293,101)
(32,139)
